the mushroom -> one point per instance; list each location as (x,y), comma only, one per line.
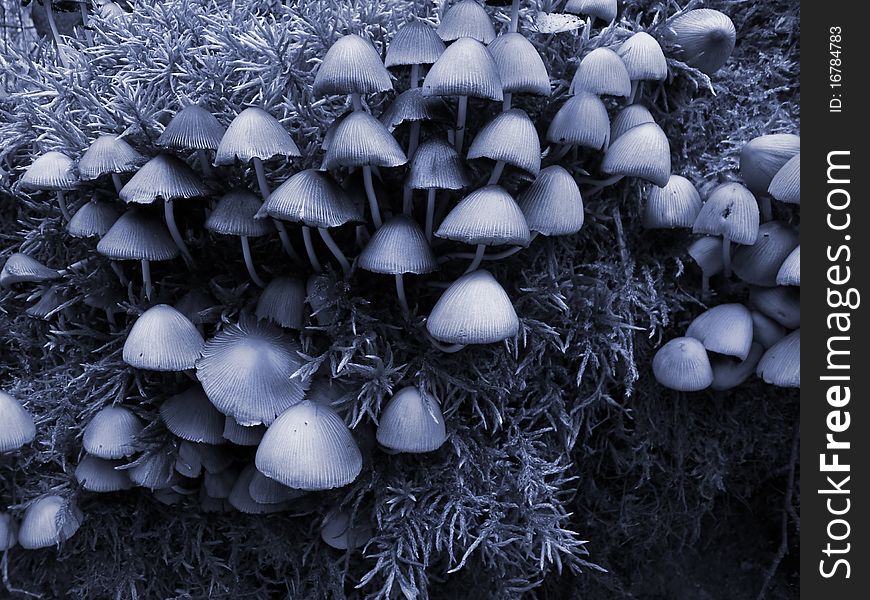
(644,60)
(101,476)
(602,72)
(49,521)
(724,329)
(234,215)
(642,151)
(552,205)
(416,43)
(155,470)
(682,365)
(509,139)
(677,204)
(761,159)
(705,38)
(781,364)
(283,302)
(790,271)
(436,166)
(765,331)
(411,422)
(340,532)
(192,417)
(93,219)
(351,66)
(240,495)
(786,184)
(581,121)
(8,531)
(602,9)
(268,491)
(187,461)
(466,19)
(243,435)
(781,303)
(17,426)
(759,263)
(51,301)
(162,339)
(109,155)
(112,433)
(728,372)
(194,128)
(732,212)
(52,172)
(519,66)
(21,268)
(630,116)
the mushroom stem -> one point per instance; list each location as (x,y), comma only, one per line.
(116,180)
(430,211)
(515,16)
(61,202)
(261,178)
(265,192)
(506,101)
(204,162)
(415,77)
(249,262)
(635,92)
(461,113)
(726,256)
(413,139)
(705,287)
(407,200)
(496,172)
(559,151)
(400,292)
(309,248)
(450,349)
(478,257)
(766,209)
(356,101)
(169,213)
(373,199)
(146,278)
(49,15)
(495,256)
(119,271)
(333,247)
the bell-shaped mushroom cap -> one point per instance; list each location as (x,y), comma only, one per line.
(643,58)
(786,184)
(20,268)
(465,69)
(192,417)
(192,127)
(781,364)
(642,151)
(765,331)
(552,205)
(246,371)
(728,372)
(313,198)
(759,263)
(412,105)
(519,65)
(337,531)
(630,116)
(475,309)
(53,171)
(234,215)
(763,157)
(486,216)
(138,235)
(682,364)
(240,495)
(351,66)
(790,271)
(108,154)
(603,9)
(437,165)
(675,205)
(361,140)
(510,137)
(165,177)
(254,133)
(705,38)
(466,19)
(581,121)
(415,43)
(94,218)
(309,447)
(162,339)
(154,470)
(243,435)
(8,531)
(268,491)
(602,72)
(412,422)
(781,303)
(48,522)
(283,302)
(725,329)
(730,211)
(16,424)
(399,246)
(99,475)
(111,433)
(48,304)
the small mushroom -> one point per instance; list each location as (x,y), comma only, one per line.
(552,205)
(682,365)
(162,339)
(112,433)
(761,159)
(49,521)
(93,219)
(732,212)
(520,67)
(52,172)
(644,60)
(509,139)
(728,373)
(17,426)
(781,364)
(234,215)
(194,128)
(790,271)
(339,532)
(412,422)
(630,116)
(8,531)
(21,268)
(351,66)
(109,155)
(581,121)
(786,184)
(283,302)
(416,43)
(705,38)
(100,475)
(724,329)
(240,496)
(642,151)
(675,205)
(602,72)
(192,417)
(759,263)
(781,303)
(466,19)
(436,166)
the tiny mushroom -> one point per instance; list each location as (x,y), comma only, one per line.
(283,302)
(790,271)
(682,365)
(781,364)
(466,19)
(49,521)
(509,139)
(109,155)
(759,263)
(416,43)
(732,212)
(644,60)
(412,422)
(111,433)
(761,159)
(581,121)
(21,268)
(234,215)
(724,329)
(52,172)
(677,204)
(93,219)
(100,475)
(705,38)
(192,417)
(552,205)
(162,339)
(602,9)
(436,166)
(16,424)
(786,184)
(642,151)
(602,72)
(193,128)
(630,116)
(520,67)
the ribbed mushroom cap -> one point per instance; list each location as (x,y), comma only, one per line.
(399,246)
(781,303)
(412,105)
(602,72)
(313,198)
(162,339)
(603,9)
(520,67)
(268,491)
(486,216)
(154,470)
(53,171)
(759,263)
(254,133)
(48,522)
(437,165)
(730,211)
(94,218)
(682,364)
(111,433)
(581,121)
(724,329)
(309,447)
(361,140)
(219,484)
(415,43)
(465,69)
(8,531)
(234,215)
(728,373)
(49,301)
(192,127)
(282,301)
(643,58)
(790,271)
(630,116)
(192,417)
(763,157)
(412,422)
(99,475)
(642,151)
(246,372)
(20,268)
(510,137)
(786,184)
(675,205)
(108,154)
(243,435)
(765,331)
(466,19)
(337,532)
(475,309)
(552,205)
(781,364)
(16,424)
(165,177)
(138,235)
(352,65)
(705,38)
(240,496)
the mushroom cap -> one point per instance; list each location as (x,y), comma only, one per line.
(268,491)
(16,424)
(581,121)
(790,271)
(100,475)
(781,364)
(193,127)
(352,65)
(49,301)
(138,235)
(682,364)
(415,43)
(475,309)
(412,105)
(762,158)
(234,215)
(49,521)
(510,137)
(437,165)
(313,198)
(94,218)
(154,470)
(240,495)
(192,417)
(643,152)
(730,211)
(20,268)
(786,184)
(728,373)
(220,483)
(465,69)
(552,205)
(188,462)
(282,301)
(254,133)
(520,67)
(52,171)
(466,19)
(214,459)
(108,154)
(361,140)
(675,205)
(111,433)
(243,435)
(630,116)
(781,303)
(337,531)
(602,72)
(759,263)
(487,216)
(643,58)
(412,422)
(162,339)
(166,177)
(765,331)
(198,306)
(603,9)
(399,246)
(8,531)
(705,38)
(309,447)
(724,329)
